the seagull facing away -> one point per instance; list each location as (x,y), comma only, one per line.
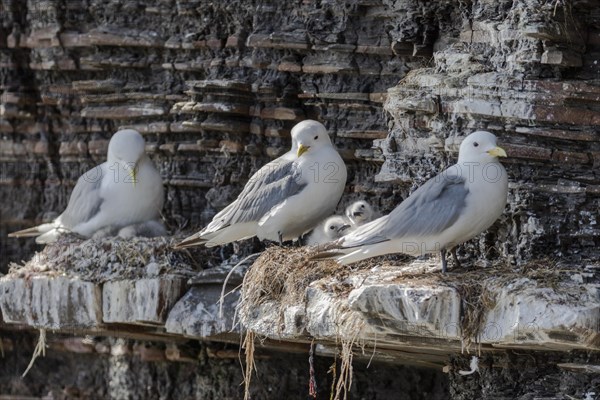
(126,191)
(329,230)
(359,213)
(287,197)
(449,209)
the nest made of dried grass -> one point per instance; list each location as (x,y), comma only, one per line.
(280,277)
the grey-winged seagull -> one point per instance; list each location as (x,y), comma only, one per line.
(449,209)
(125,193)
(287,197)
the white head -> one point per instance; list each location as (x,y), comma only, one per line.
(480,147)
(309,135)
(127,147)
(335,227)
(359,212)
(294,149)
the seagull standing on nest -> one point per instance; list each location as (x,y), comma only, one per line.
(449,209)
(285,198)
(124,193)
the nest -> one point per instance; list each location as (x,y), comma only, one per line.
(282,275)
(114,258)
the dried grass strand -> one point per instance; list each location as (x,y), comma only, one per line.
(250,366)
(222,297)
(40,349)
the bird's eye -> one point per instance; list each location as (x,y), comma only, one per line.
(332,227)
(362,206)
(316,137)
(475,144)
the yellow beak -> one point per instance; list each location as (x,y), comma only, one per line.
(302,149)
(132,170)
(497,152)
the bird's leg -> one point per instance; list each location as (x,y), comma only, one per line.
(280,238)
(444,262)
(236,248)
(301,240)
(453,251)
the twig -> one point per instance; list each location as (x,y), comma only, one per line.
(222,297)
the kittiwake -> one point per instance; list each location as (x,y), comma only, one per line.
(287,197)
(125,191)
(449,209)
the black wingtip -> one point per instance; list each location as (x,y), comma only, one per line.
(325,255)
(189,242)
(29,232)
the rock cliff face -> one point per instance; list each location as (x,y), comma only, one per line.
(215,88)
(118,369)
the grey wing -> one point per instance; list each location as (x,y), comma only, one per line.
(369,233)
(85,200)
(268,187)
(269,173)
(430,210)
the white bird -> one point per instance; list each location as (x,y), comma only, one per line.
(449,209)
(329,230)
(359,213)
(123,191)
(285,198)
